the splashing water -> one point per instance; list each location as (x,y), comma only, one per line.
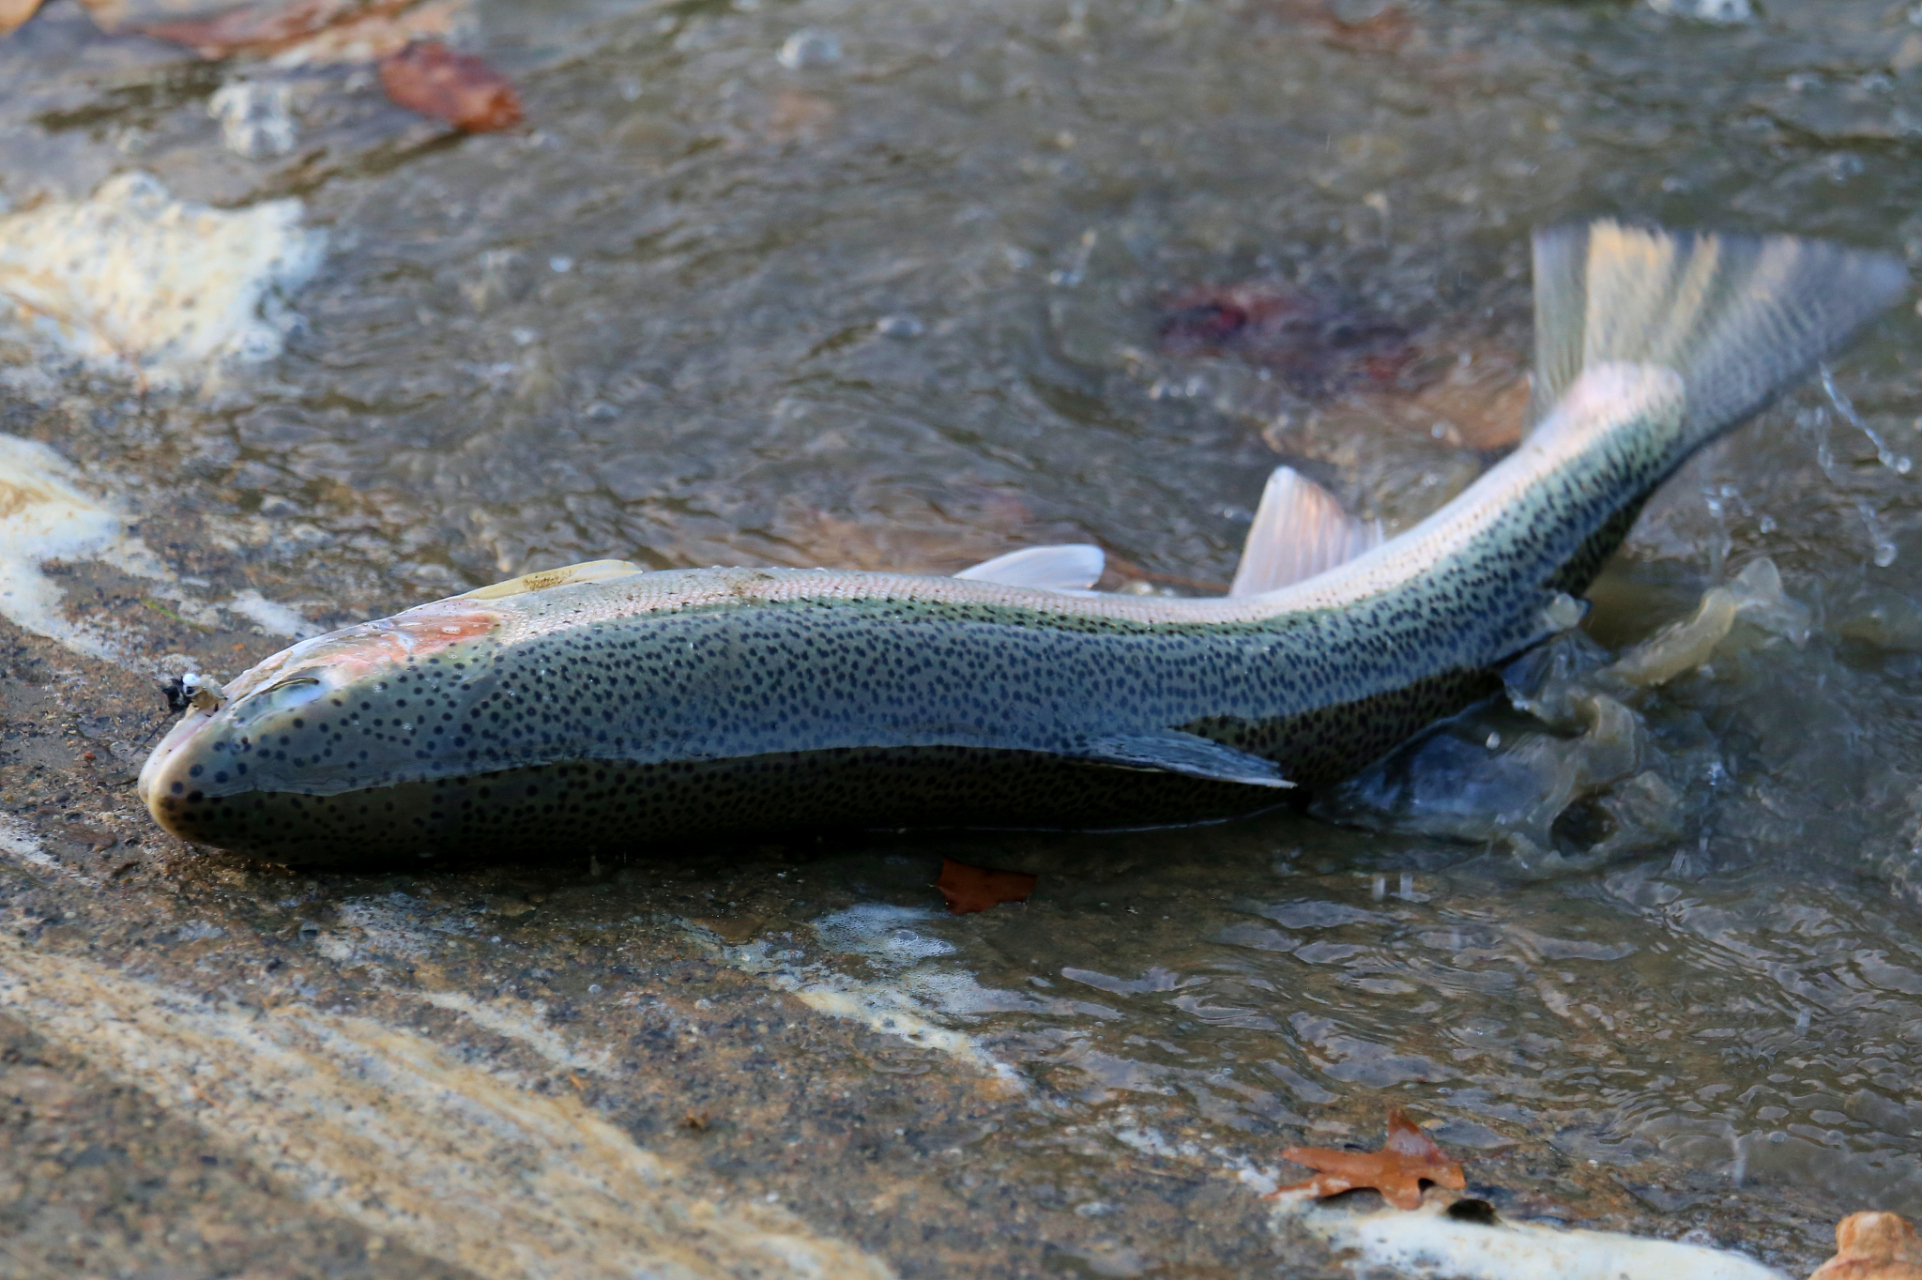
(1898,463)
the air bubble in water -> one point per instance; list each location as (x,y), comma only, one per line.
(1885,551)
(810,47)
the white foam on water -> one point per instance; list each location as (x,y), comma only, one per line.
(256,120)
(18,841)
(1427,1244)
(271,616)
(45,516)
(134,282)
(882,932)
(523,1023)
(1721,13)
(874,1007)
(910,999)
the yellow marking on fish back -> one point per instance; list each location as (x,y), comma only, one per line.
(542,579)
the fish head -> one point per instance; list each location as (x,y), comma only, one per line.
(340,712)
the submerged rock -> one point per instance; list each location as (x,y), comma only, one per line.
(1569,774)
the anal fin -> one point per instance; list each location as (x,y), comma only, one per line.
(1171,751)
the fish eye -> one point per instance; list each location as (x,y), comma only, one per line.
(293,692)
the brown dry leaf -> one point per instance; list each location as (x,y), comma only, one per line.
(315,31)
(1407,1159)
(977,888)
(434,80)
(377,33)
(263,29)
(15,12)
(1873,1246)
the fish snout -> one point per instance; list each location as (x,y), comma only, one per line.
(209,754)
(157,773)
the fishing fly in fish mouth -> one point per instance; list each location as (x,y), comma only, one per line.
(602,704)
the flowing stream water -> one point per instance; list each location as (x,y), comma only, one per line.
(906,285)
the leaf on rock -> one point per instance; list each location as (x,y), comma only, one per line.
(15,12)
(311,32)
(1407,1159)
(977,888)
(264,28)
(1873,1246)
(434,80)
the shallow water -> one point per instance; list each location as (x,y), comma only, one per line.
(1649,948)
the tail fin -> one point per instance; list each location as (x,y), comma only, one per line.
(1739,318)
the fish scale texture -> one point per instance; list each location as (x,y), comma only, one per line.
(747,715)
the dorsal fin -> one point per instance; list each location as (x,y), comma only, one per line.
(1299,531)
(1073,566)
(542,579)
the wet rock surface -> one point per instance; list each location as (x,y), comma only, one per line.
(891,286)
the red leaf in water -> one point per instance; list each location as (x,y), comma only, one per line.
(434,80)
(1408,1158)
(1316,346)
(1363,27)
(977,888)
(1873,1246)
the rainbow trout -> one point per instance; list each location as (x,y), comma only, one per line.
(602,704)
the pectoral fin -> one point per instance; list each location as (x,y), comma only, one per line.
(1190,754)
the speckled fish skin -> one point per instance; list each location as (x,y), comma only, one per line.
(658,706)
